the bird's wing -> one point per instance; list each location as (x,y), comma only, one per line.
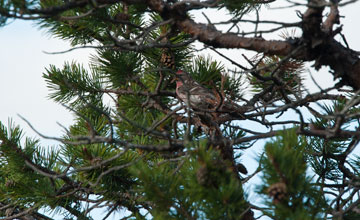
(198,95)
(203,97)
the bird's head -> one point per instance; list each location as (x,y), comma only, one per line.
(182,76)
(179,78)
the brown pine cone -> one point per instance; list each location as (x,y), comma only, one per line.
(10,183)
(122,17)
(277,191)
(202,176)
(241,168)
(167,60)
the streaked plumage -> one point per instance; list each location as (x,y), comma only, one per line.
(201,98)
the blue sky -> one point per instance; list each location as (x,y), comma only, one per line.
(22,89)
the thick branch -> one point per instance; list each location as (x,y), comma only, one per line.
(320,44)
(215,38)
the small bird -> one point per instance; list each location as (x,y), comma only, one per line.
(201,98)
(191,92)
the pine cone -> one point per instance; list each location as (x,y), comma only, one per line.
(95,161)
(122,17)
(9,211)
(9,183)
(277,191)
(241,168)
(202,176)
(167,60)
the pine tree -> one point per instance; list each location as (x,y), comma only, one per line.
(152,154)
